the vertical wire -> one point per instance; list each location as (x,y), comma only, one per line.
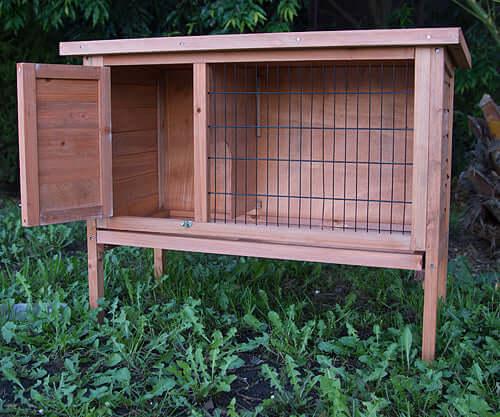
(406,139)
(236,178)
(215,150)
(289,137)
(245,89)
(381,143)
(323,140)
(357,149)
(311,149)
(345,141)
(369,141)
(267,142)
(393,137)
(278,145)
(300,142)
(225,147)
(334,70)
(257,129)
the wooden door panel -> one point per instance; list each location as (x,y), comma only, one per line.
(64,142)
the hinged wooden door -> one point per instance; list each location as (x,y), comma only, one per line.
(64,142)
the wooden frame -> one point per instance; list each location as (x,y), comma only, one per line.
(163,138)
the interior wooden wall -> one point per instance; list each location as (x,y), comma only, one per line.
(318,179)
(135,151)
(179,141)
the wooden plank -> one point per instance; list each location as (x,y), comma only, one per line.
(28,148)
(129,143)
(161,139)
(262,233)
(200,134)
(134,96)
(179,149)
(290,40)
(72,72)
(262,250)
(66,90)
(159,260)
(420,147)
(133,119)
(72,214)
(95,265)
(106,158)
(319,55)
(434,209)
(134,187)
(133,165)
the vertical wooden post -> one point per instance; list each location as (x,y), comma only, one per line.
(159,262)
(200,133)
(95,264)
(435,202)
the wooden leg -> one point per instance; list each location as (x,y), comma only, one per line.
(95,265)
(443,274)
(159,262)
(430,312)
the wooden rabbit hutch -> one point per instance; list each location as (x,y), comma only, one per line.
(319,146)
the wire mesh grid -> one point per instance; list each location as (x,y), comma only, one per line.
(325,145)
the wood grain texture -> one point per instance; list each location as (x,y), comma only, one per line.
(293,56)
(159,259)
(271,233)
(421,146)
(200,137)
(291,40)
(95,253)
(262,250)
(28,146)
(435,189)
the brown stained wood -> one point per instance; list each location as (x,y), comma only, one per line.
(134,97)
(134,187)
(307,55)
(276,41)
(421,146)
(105,147)
(28,147)
(161,142)
(271,233)
(159,260)
(262,250)
(200,133)
(128,143)
(132,165)
(95,253)
(179,139)
(135,75)
(435,188)
(133,119)
(69,117)
(316,179)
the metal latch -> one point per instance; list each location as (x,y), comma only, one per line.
(186,223)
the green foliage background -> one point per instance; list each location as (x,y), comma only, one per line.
(31,30)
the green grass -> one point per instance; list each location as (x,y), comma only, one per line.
(231,336)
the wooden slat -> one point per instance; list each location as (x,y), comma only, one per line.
(237,232)
(291,40)
(28,148)
(159,259)
(72,72)
(105,142)
(262,250)
(341,54)
(128,143)
(133,119)
(66,90)
(70,214)
(133,165)
(434,210)
(95,265)
(420,147)
(134,96)
(161,138)
(200,133)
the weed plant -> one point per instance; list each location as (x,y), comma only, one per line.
(233,336)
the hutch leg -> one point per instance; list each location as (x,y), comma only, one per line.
(159,262)
(95,264)
(430,312)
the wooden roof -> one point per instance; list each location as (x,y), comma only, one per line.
(452,38)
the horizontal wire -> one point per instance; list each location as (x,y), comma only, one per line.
(310,92)
(309,197)
(319,161)
(308,127)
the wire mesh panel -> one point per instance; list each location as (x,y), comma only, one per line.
(325,145)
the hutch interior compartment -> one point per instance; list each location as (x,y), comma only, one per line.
(152,145)
(324,145)
(320,146)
